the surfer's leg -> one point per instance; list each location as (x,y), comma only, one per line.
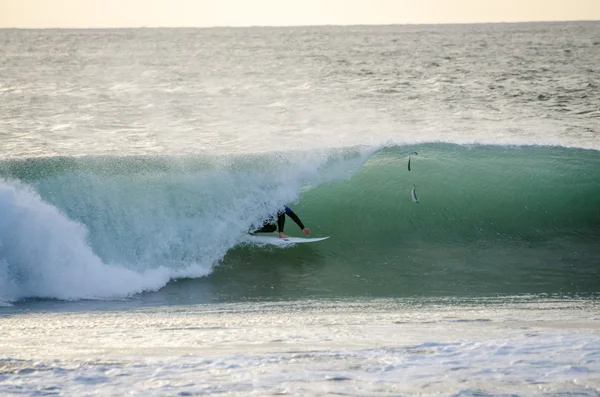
(266,228)
(281,221)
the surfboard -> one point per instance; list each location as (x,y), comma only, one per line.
(281,242)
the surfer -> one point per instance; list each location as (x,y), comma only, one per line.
(270,225)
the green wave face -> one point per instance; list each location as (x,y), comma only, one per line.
(467,195)
(490,220)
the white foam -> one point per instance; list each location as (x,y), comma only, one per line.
(367,347)
(44,254)
(135,232)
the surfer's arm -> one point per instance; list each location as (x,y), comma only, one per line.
(281,222)
(296,219)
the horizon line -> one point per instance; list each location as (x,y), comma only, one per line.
(296,26)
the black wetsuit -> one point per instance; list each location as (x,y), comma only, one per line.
(270,226)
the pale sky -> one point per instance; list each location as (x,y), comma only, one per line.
(205,13)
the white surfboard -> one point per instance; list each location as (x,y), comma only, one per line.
(281,242)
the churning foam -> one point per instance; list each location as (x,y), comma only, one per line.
(92,234)
(45,254)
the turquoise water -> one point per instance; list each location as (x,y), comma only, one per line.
(490,220)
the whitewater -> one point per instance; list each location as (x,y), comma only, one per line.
(133,162)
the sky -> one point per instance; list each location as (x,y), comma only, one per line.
(207,13)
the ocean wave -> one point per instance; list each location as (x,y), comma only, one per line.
(75,228)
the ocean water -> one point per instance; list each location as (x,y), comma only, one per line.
(134,161)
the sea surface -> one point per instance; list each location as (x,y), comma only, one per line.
(133,162)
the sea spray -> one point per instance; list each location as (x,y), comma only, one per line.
(139,222)
(45,254)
